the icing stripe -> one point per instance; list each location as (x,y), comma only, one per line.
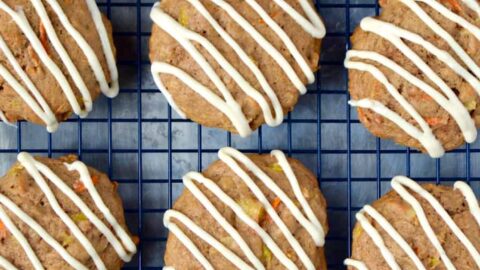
(6,264)
(399,182)
(239,79)
(230,157)
(377,240)
(455,107)
(215,189)
(92,58)
(41,232)
(67,61)
(400,185)
(473,5)
(232,111)
(188,182)
(22,22)
(235,114)
(4,119)
(449,101)
(435,27)
(21,240)
(426,136)
(29,163)
(41,108)
(284,37)
(124,246)
(383,222)
(472,201)
(314,27)
(107,47)
(432,146)
(86,179)
(354,263)
(263,42)
(228,254)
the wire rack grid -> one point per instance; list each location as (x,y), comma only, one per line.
(146,147)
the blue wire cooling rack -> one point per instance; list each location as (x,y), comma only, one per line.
(146,147)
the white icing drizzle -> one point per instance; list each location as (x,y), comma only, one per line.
(21,239)
(4,119)
(354,263)
(86,179)
(472,201)
(473,5)
(41,232)
(400,185)
(41,108)
(107,48)
(227,105)
(231,157)
(6,264)
(377,240)
(38,171)
(37,100)
(448,101)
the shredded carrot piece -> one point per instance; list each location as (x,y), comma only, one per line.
(455,5)
(432,121)
(3,230)
(44,38)
(276,203)
(79,187)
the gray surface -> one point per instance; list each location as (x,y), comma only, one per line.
(332,166)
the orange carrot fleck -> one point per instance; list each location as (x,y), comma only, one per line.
(44,38)
(3,230)
(79,187)
(455,5)
(276,203)
(432,121)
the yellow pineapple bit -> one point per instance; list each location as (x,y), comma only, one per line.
(79,217)
(15,170)
(470,105)
(266,255)
(183,17)
(357,231)
(67,239)
(253,208)
(276,167)
(433,262)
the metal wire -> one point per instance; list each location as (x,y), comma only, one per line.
(340,216)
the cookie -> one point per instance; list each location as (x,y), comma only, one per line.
(418,227)
(60,214)
(414,73)
(248,212)
(56,57)
(234,64)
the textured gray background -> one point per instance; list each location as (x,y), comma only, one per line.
(140,151)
